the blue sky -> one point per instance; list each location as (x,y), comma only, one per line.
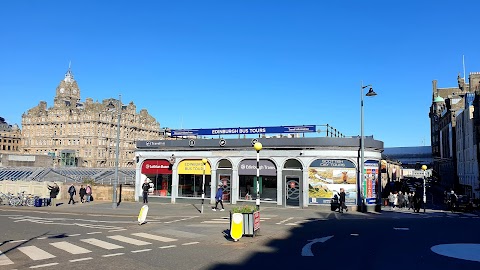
(208,64)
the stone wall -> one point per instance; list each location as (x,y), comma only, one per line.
(99,192)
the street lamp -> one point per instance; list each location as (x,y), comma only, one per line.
(114,197)
(258,147)
(424,168)
(370,93)
(204,161)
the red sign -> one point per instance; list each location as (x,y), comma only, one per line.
(156,166)
(256,220)
(292,184)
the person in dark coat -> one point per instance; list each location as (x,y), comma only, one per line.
(54,190)
(417,202)
(72,191)
(219,198)
(341,200)
(145,188)
(82,193)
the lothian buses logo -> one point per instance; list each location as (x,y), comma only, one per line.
(148,166)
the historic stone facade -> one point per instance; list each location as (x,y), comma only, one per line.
(10,137)
(84,134)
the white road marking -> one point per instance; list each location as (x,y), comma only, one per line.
(18,241)
(42,238)
(129,240)
(82,259)
(72,235)
(111,255)
(35,253)
(354,234)
(4,260)
(43,265)
(470,252)
(401,229)
(307,249)
(100,243)
(216,222)
(283,221)
(141,250)
(94,232)
(154,237)
(292,224)
(70,248)
(191,243)
(172,246)
(117,230)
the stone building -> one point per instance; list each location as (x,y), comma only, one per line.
(10,137)
(447,104)
(84,134)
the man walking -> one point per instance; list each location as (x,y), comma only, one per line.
(219,198)
(82,193)
(145,188)
(341,200)
(72,191)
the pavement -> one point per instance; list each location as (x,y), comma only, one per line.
(158,209)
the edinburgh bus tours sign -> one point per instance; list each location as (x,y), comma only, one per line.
(243,130)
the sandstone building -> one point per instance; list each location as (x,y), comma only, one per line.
(84,134)
(10,137)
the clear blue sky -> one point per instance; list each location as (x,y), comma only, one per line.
(208,64)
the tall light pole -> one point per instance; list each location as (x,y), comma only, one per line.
(119,112)
(370,93)
(424,168)
(204,161)
(258,147)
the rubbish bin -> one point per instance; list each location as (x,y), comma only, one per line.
(38,202)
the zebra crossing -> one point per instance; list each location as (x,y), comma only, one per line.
(226,220)
(46,253)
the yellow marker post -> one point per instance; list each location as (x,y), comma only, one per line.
(236,228)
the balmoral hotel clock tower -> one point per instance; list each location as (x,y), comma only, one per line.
(84,134)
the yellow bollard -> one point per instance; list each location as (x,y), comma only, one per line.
(236,229)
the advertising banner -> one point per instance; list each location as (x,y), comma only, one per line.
(193,166)
(243,130)
(249,167)
(327,176)
(370,184)
(156,166)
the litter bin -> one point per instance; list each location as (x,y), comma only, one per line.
(38,202)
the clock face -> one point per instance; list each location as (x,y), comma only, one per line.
(62,90)
(74,90)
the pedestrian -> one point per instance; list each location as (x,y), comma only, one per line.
(395,200)
(342,201)
(54,190)
(82,193)
(391,201)
(88,191)
(410,200)
(416,203)
(145,188)
(400,200)
(72,191)
(453,200)
(219,198)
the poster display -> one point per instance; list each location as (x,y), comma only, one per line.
(327,176)
(370,183)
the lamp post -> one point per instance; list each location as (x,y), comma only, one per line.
(204,161)
(258,146)
(424,168)
(370,93)
(115,181)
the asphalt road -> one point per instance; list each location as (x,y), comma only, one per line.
(179,237)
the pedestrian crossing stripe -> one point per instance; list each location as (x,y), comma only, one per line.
(70,248)
(154,237)
(4,260)
(35,253)
(129,240)
(100,243)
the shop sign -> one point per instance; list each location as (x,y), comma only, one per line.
(249,167)
(193,166)
(156,166)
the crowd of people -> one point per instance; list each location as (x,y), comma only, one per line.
(85,194)
(410,200)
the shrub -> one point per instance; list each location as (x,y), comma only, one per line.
(244,209)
